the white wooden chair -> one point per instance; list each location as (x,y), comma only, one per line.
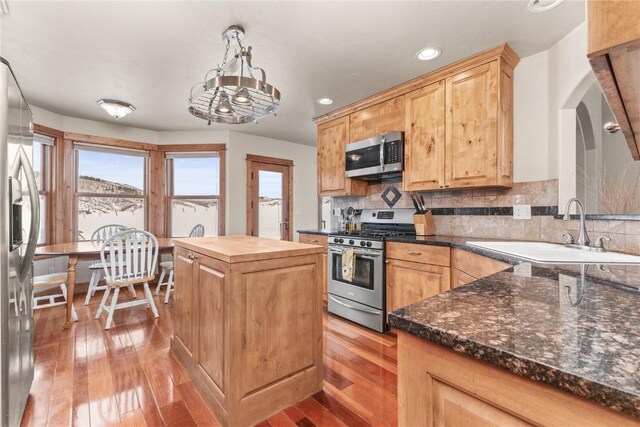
(129,258)
(99,236)
(167,266)
(49,282)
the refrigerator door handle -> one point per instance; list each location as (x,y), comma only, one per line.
(22,161)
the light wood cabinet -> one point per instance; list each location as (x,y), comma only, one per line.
(458,124)
(614,54)
(410,282)
(240,301)
(440,387)
(316,239)
(415,272)
(332,140)
(467,267)
(424,145)
(376,120)
(184,272)
(459,278)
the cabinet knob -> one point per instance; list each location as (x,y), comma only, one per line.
(611,127)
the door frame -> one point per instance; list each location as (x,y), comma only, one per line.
(275,164)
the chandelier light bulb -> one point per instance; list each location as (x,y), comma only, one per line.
(224,107)
(241,97)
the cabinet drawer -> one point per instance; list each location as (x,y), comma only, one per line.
(476,265)
(435,255)
(313,239)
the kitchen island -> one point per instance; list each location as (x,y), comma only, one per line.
(535,344)
(248,323)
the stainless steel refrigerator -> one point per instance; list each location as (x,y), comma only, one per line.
(19,223)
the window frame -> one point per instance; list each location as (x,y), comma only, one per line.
(48,181)
(169,156)
(77,146)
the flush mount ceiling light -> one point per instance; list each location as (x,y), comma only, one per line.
(543,5)
(428,54)
(325,101)
(231,93)
(116,109)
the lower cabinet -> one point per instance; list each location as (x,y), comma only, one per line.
(440,387)
(249,333)
(409,282)
(467,267)
(415,272)
(459,278)
(320,240)
(184,273)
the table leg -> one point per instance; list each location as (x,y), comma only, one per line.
(71,286)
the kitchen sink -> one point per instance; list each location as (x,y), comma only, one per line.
(553,253)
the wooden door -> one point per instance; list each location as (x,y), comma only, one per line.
(424,147)
(471,127)
(212,340)
(269,197)
(387,116)
(184,277)
(410,282)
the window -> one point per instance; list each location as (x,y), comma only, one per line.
(193,184)
(111,188)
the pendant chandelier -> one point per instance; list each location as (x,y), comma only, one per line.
(231,93)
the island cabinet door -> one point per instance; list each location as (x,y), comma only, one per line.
(184,271)
(211,332)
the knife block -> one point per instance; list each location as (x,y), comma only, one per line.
(424,224)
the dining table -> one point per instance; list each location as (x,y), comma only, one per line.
(83,251)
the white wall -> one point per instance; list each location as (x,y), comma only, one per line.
(305,200)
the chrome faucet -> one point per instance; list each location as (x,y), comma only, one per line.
(583,238)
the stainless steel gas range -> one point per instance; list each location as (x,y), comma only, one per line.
(362,299)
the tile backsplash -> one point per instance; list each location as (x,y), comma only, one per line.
(625,235)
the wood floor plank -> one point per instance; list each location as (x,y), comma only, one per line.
(198,409)
(80,406)
(176,414)
(349,417)
(318,414)
(281,420)
(336,379)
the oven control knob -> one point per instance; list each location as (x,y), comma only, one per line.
(369,244)
(351,242)
(362,243)
(340,240)
(336,240)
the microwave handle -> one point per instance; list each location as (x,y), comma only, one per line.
(382,142)
(22,161)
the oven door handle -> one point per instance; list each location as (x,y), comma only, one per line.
(369,255)
(352,307)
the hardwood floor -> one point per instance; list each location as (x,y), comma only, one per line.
(86,376)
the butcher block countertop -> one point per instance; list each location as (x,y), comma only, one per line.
(234,249)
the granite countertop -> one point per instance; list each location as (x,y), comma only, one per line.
(570,326)
(320,231)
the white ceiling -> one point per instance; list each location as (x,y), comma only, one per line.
(69,54)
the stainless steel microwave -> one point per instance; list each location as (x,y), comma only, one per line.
(375,157)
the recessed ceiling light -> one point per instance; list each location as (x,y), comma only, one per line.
(325,101)
(116,109)
(428,54)
(543,5)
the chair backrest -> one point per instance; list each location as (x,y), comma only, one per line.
(197,231)
(129,256)
(103,233)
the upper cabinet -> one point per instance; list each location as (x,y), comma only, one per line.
(424,138)
(614,54)
(378,119)
(458,124)
(333,137)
